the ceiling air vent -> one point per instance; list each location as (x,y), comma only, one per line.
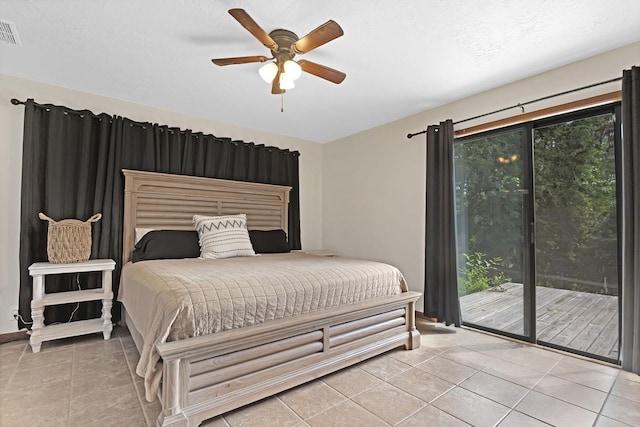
(9,34)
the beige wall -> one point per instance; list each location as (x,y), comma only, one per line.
(11,122)
(362,195)
(374,191)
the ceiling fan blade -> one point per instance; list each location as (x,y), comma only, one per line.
(239,60)
(323,34)
(322,71)
(275,85)
(247,22)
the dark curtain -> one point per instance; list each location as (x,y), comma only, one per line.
(71,168)
(630,348)
(441,280)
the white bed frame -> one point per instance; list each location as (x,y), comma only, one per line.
(209,375)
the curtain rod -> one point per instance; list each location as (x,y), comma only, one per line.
(521,105)
(15,101)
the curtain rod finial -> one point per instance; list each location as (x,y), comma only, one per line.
(411,135)
(15,101)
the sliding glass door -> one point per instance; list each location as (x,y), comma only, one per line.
(577,234)
(492,229)
(537,231)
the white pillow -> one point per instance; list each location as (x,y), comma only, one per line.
(223,236)
(140,232)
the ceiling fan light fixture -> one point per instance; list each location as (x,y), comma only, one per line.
(268,71)
(292,69)
(286,82)
(281,70)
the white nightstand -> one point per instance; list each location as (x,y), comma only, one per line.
(39,332)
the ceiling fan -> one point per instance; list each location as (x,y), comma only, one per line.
(285,45)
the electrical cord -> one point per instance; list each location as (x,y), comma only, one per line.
(77,304)
(17,316)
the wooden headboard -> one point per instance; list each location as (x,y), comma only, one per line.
(168,202)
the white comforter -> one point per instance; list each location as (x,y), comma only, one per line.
(169,300)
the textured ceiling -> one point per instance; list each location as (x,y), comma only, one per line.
(400,57)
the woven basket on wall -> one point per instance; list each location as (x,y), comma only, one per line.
(69,240)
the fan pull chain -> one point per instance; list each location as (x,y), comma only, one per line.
(282,102)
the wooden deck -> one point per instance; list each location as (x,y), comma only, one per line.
(577,320)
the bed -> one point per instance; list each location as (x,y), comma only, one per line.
(205,375)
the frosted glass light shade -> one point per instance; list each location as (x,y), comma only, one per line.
(286,82)
(268,71)
(292,69)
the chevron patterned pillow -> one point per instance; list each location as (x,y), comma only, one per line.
(223,236)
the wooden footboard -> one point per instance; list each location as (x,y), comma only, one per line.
(210,375)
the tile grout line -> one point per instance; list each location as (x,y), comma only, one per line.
(413,413)
(606,399)
(15,368)
(366,410)
(583,385)
(547,373)
(562,400)
(429,403)
(600,414)
(510,409)
(543,347)
(530,389)
(458,384)
(277,396)
(349,399)
(133,383)
(346,398)
(73,364)
(424,403)
(359,392)
(570,403)
(224,420)
(600,411)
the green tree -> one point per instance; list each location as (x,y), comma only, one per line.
(575,202)
(489,199)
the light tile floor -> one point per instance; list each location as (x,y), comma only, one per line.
(458,377)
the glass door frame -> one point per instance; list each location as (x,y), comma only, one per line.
(529,271)
(528,254)
(614,109)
